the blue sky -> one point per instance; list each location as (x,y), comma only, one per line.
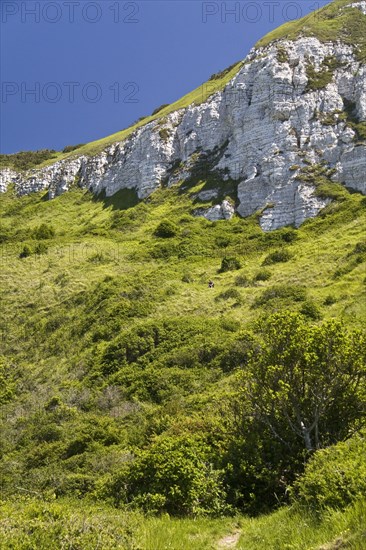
(73,71)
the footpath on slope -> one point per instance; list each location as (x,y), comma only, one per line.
(229,541)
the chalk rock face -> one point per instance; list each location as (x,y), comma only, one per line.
(223,211)
(274,119)
(361,5)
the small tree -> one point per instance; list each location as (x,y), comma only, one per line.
(308,383)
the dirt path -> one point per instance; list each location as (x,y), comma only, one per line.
(230,541)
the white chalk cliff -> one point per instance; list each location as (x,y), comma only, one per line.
(263,129)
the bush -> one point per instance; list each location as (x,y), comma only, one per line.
(221,74)
(164,251)
(222,242)
(164,134)
(277,256)
(318,80)
(229,264)
(27,251)
(290,292)
(282,55)
(44,231)
(187,277)
(334,477)
(330,300)
(262,275)
(309,309)
(288,234)
(360,248)
(75,484)
(24,160)
(175,475)
(166,229)
(5,234)
(229,294)
(158,109)
(70,148)
(242,280)
(41,248)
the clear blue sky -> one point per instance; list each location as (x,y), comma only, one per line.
(96,66)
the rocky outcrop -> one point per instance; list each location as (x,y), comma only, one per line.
(223,211)
(273,119)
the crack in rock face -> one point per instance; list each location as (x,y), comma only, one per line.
(272,120)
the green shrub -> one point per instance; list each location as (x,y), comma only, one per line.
(44,231)
(221,74)
(164,134)
(230,294)
(70,148)
(24,160)
(222,242)
(166,229)
(360,129)
(360,248)
(164,251)
(309,309)
(76,484)
(186,219)
(187,277)
(229,264)
(262,275)
(277,256)
(330,300)
(282,55)
(242,280)
(175,475)
(334,477)
(318,80)
(288,234)
(41,248)
(230,325)
(5,234)
(26,251)
(290,292)
(158,109)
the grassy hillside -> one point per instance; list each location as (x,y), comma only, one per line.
(142,409)
(119,362)
(335,21)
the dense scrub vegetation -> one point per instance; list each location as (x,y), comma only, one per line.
(24,160)
(128,387)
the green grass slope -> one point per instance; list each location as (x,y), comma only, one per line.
(114,347)
(335,21)
(135,411)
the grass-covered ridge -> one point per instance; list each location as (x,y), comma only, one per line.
(197,96)
(335,21)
